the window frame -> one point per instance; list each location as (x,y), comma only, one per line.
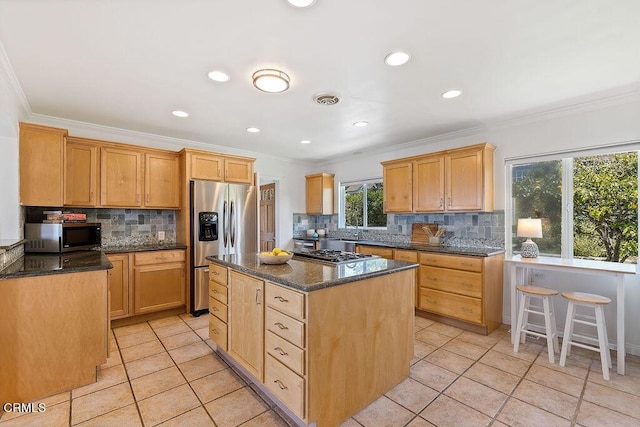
(341,204)
(566,156)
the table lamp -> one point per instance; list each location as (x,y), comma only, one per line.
(529,227)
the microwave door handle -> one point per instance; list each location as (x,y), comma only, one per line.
(232,225)
(224,223)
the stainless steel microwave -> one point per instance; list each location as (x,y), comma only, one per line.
(58,238)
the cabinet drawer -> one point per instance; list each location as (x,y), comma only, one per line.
(451,305)
(285,384)
(451,261)
(218,309)
(455,281)
(285,327)
(375,250)
(218,273)
(218,331)
(408,256)
(285,352)
(157,257)
(218,291)
(285,300)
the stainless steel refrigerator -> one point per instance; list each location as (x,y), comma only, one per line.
(224,220)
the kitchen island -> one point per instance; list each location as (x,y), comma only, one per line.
(323,340)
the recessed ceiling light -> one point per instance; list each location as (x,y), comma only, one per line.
(397,58)
(219,76)
(272,81)
(360,124)
(452,93)
(305,141)
(253,130)
(179,113)
(301,3)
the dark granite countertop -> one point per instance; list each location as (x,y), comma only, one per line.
(141,248)
(32,265)
(307,275)
(453,250)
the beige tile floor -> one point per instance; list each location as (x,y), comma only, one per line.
(164,372)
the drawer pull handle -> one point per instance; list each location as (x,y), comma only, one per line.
(281,299)
(430,301)
(281,351)
(215,331)
(160,258)
(282,386)
(466,284)
(432,278)
(215,291)
(214,308)
(280,325)
(466,264)
(215,273)
(466,309)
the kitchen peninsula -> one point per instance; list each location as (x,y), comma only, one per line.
(324,339)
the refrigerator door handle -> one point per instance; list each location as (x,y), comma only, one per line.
(225,230)
(232,225)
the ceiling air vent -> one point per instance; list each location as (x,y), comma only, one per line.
(326,99)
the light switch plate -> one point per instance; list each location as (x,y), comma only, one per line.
(160,235)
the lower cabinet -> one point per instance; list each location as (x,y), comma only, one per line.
(375,250)
(146,282)
(409,256)
(218,305)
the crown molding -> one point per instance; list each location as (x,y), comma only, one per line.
(13,84)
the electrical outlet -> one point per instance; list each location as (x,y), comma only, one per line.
(160,235)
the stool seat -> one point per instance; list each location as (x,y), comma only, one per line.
(536,290)
(586,298)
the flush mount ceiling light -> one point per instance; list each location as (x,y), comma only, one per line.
(301,3)
(179,113)
(305,141)
(451,93)
(219,76)
(253,130)
(397,58)
(361,124)
(272,81)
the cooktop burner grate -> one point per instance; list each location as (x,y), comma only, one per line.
(332,256)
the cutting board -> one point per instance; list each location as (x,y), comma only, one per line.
(417,233)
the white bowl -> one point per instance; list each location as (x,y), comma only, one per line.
(274,259)
(320,233)
(310,232)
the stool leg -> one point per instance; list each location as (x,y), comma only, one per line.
(568,331)
(547,327)
(519,334)
(554,327)
(606,339)
(604,346)
(525,317)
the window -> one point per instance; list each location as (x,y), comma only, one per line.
(588,205)
(361,205)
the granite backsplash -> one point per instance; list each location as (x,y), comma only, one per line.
(484,229)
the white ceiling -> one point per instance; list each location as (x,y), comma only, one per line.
(129,63)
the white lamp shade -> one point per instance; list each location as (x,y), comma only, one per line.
(529,227)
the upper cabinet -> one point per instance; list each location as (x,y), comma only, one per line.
(41,161)
(320,194)
(120,177)
(459,180)
(161,180)
(213,167)
(81,173)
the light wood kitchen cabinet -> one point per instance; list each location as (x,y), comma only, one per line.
(319,189)
(459,180)
(159,280)
(218,305)
(81,173)
(238,170)
(121,292)
(375,250)
(41,160)
(121,177)
(215,167)
(161,180)
(463,288)
(397,186)
(206,166)
(246,322)
(409,256)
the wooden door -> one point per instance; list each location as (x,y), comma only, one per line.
(119,286)
(397,183)
(246,322)
(206,166)
(428,184)
(159,287)
(238,170)
(41,154)
(80,174)
(267,217)
(161,181)
(464,180)
(120,177)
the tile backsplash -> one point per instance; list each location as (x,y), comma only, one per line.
(484,229)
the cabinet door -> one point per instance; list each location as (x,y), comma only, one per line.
(159,287)
(464,180)
(428,184)
(319,193)
(375,250)
(41,156)
(119,286)
(205,166)
(238,170)
(397,184)
(80,174)
(246,322)
(120,177)
(161,181)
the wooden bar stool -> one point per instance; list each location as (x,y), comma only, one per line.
(524,327)
(597,302)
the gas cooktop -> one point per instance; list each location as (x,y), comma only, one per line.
(332,256)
